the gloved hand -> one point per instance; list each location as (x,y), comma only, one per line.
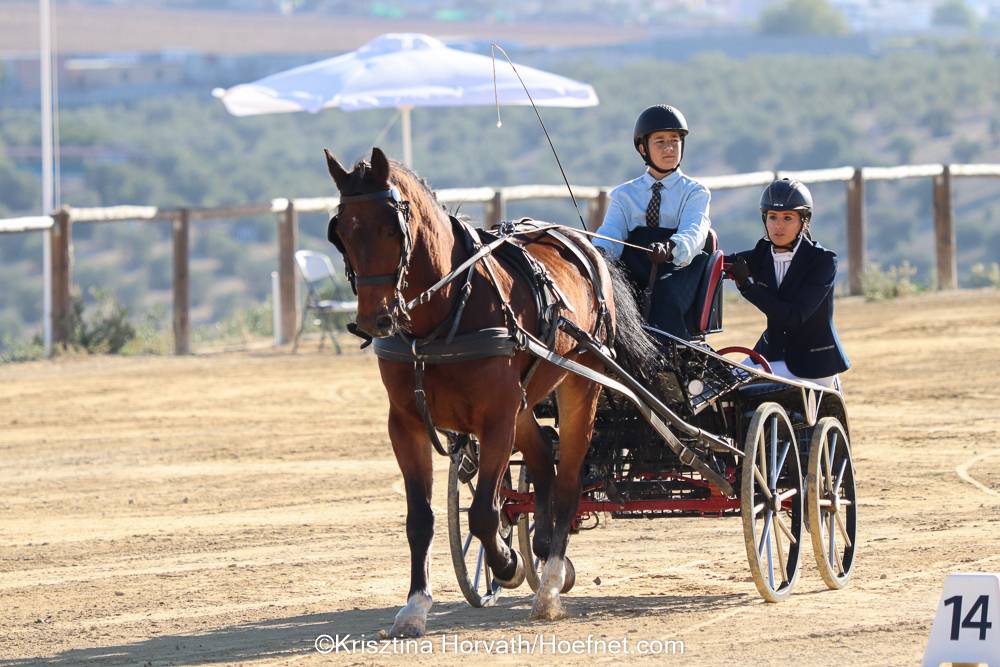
(660,253)
(739,272)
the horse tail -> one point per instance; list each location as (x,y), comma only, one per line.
(634,348)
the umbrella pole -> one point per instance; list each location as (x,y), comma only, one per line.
(407,136)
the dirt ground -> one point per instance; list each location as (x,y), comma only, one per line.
(228,508)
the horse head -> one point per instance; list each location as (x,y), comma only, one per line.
(371,230)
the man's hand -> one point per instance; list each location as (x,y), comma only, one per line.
(739,272)
(660,253)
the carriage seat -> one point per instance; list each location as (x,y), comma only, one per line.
(705,316)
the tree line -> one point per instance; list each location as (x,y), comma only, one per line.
(928,103)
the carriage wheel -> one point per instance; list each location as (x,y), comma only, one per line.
(467,554)
(771,502)
(526,531)
(831,502)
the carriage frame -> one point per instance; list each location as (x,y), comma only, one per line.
(720,415)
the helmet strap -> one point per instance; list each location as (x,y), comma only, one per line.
(790,246)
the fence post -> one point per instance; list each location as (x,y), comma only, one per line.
(288,231)
(598,210)
(944,231)
(494,210)
(182,300)
(62,304)
(856,255)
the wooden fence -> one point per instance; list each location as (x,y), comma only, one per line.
(60,226)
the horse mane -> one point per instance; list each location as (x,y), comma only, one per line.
(416,190)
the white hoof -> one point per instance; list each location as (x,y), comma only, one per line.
(411,620)
(547,609)
(547,606)
(519,572)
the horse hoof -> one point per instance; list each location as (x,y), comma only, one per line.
(569,574)
(411,620)
(406,629)
(547,609)
(519,572)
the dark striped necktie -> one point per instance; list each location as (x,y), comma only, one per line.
(653,210)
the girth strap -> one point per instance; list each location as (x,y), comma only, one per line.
(492,342)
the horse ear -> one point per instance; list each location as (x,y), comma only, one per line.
(380,166)
(337,171)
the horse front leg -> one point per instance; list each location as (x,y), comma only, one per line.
(577,401)
(413,454)
(495,444)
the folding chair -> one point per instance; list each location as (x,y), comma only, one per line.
(316,268)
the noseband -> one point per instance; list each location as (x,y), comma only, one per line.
(397,278)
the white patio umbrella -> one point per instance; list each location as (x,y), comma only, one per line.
(403,71)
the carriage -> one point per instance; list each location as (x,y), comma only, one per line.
(709,437)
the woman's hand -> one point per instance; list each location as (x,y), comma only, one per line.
(739,272)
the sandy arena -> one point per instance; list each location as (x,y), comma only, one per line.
(230,508)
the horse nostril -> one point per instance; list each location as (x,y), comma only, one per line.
(383,322)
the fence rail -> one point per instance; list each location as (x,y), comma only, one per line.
(60,224)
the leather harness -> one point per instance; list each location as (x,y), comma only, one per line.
(443,345)
(506,245)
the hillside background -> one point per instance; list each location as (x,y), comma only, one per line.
(913,101)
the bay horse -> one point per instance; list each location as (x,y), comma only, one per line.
(398,243)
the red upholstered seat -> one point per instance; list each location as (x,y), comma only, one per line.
(712,242)
(705,316)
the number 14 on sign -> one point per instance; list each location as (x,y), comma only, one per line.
(965,627)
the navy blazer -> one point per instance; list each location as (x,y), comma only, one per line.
(799,314)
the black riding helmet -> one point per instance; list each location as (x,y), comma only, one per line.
(787,195)
(660,117)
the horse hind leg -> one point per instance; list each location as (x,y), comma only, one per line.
(537,453)
(412,450)
(577,401)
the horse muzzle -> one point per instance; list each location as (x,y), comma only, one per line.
(378,326)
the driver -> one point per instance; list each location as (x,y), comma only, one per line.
(665,211)
(790,278)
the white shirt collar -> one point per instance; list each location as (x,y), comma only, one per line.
(668,181)
(784,257)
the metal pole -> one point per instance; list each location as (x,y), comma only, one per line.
(407,137)
(48,187)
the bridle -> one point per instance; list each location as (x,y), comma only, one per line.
(398,311)
(400,308)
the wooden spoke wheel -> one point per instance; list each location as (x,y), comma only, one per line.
(467,554)
(525,533)
(832,502)
(771,492)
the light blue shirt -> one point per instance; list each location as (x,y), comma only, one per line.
(684,204)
